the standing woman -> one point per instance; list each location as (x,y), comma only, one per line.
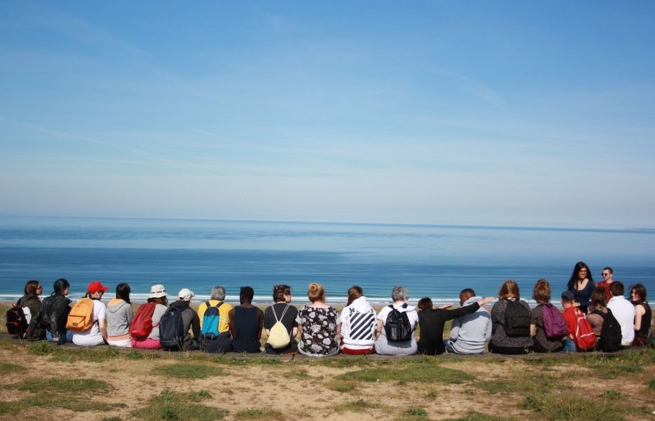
(119,316)
(52,315)
(358,324)
(581,284)
(643,314)
(317,323)
(501,342)
(542,343)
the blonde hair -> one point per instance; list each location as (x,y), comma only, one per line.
(316,292)
(510,289)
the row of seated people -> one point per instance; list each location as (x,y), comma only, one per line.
(318,329)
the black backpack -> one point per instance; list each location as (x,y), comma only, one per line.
(610,333)
(397,327)
(517,319)
(16,321)
(171,328)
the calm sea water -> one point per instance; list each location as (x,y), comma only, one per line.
(434,261)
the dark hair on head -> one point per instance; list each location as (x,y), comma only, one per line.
(617,288)
(424,303)
(159,300)
(316,292)
(354,293)
(509,289)
(60,286)
(247,293)
(541,292)
(279,291)
(468,292)
(575,279)
(30,288)
(640,290)
(598,298)
(609,269)
(123,291)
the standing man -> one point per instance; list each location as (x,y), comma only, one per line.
(624,313)
(607,281)
(469,333)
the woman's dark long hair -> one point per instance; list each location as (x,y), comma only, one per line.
(60,286)
(123,292)
(573,282)
(30,288)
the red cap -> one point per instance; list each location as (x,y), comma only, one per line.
(96,286)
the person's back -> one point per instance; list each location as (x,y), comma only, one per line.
(97,334)
(624,312)
(223,314)
(469,333)
(119,315)
(247,327)
(246,322)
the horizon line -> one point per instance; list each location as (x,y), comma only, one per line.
(635,230)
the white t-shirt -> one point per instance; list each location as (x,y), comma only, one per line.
(92,336)
(412,315)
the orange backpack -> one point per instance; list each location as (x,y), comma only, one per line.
(80,318)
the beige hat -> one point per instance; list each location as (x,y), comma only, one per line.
(186,294)
(157,291)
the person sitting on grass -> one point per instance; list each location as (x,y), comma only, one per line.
(97,334)
(570,315)
(385,345)
(358,324)
(190,321)
(246,322)
(119,316)
(469,332)
(503,339)
(542,343)
(287,314)
(215,337)
(624,312)
(643,314)
(317,323)
(158,297)
(52,315)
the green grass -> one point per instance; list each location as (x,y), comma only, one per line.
(475,416)
(8,368)
(341,386)
(40,348)
(359,405)
(58,393)
(651,384)
(348,362)
(174,406)
(259,414)
(575,406)
(417,373)
(60,386)
(187,371)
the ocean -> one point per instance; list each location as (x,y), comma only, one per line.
(430,260)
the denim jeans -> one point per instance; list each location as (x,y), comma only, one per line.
(67,338)
(569,345)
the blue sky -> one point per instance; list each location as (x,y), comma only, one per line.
(480,112)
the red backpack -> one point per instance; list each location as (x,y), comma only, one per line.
(584,336)
(141,325)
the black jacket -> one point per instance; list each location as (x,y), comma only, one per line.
(52,316)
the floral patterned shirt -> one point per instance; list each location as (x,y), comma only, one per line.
(319,326)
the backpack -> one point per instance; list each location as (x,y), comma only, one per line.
(80,318)
(16,320)
(517,319)
(397,326)
(210,321)
(610,332)
(171,328)
(141,326)
(555,325)
(584,337)
(279,335)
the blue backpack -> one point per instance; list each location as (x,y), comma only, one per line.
(210,321)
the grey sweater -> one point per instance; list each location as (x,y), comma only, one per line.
(119,316)
(469,333)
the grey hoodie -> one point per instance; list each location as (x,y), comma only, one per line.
(119,316)
(469,333)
